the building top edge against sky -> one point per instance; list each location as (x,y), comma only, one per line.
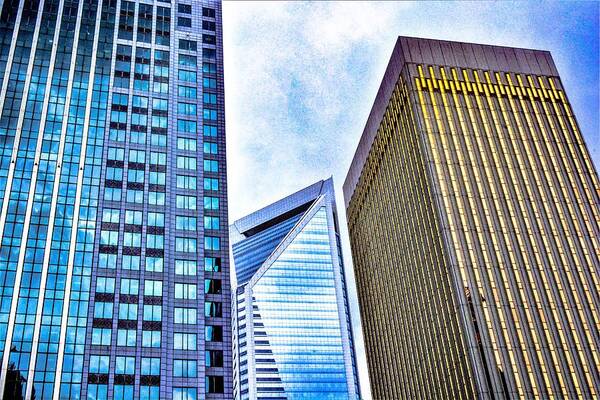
(243,227)
(411,50)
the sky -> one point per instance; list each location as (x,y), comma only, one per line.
(301,77)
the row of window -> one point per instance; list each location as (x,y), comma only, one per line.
(213,384)
(156,241)
(156,264)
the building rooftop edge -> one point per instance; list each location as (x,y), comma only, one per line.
(439,52)
(288,203)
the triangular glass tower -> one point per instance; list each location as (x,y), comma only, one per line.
(291,331)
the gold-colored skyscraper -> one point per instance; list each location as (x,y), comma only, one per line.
(474,220)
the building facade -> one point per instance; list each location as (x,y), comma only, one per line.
(114,274)
(292,334)
(474,216)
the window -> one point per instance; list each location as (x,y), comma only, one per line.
(156,198)
(185,291)
(211,166)
(139,102)
(99,364)
(186,144)
(211,203)
(186,202)
(110,215)
(118,117)
(156,219)
(186,76)
(126,337)
(135,196)
(159,121)
(186,182)
(123,392)
(184,22)
(103,310)
(188,45)
(209,39)
(211,184)
(210,83)
(101,336)
(211,222)
(212,264)
(185,267)
(150,366)
(97,392)
(132,239)
(212,309)
(133,217)
(212,243)
(149,392)
(158,158)
(209,114)
(135,176)
(115,153)
(184,162)
(208,12)
(109,238)
(107,260)
(186,126)
(155,241)
(152,312)
(209,130)
(130,262)
(154,264)
(209,68)
(120,99)
(105,285)
(212,286)
(187,61)
(208,25)
(152,288)
(125,365)
(184,341)
(213,333)
(184,8)
(137,156)
(151,339)
(129,286)
(112,194)
(209,98)
(185,316)
(185,245)
(184,368)
(209,148)
(160,104)
(186,108)
(213,358)
(214,384)
(157,178)
(114,174)
(185,223)
(128,311)
(158,139)
(187,91)
(209,54)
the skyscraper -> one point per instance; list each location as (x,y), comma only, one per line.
(114,275)
(292,334)
(474,218)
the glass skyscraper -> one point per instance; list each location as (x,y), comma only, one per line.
(474,222)
(114,275)
(291,327)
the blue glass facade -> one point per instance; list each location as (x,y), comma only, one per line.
(114,274)
(291,329)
